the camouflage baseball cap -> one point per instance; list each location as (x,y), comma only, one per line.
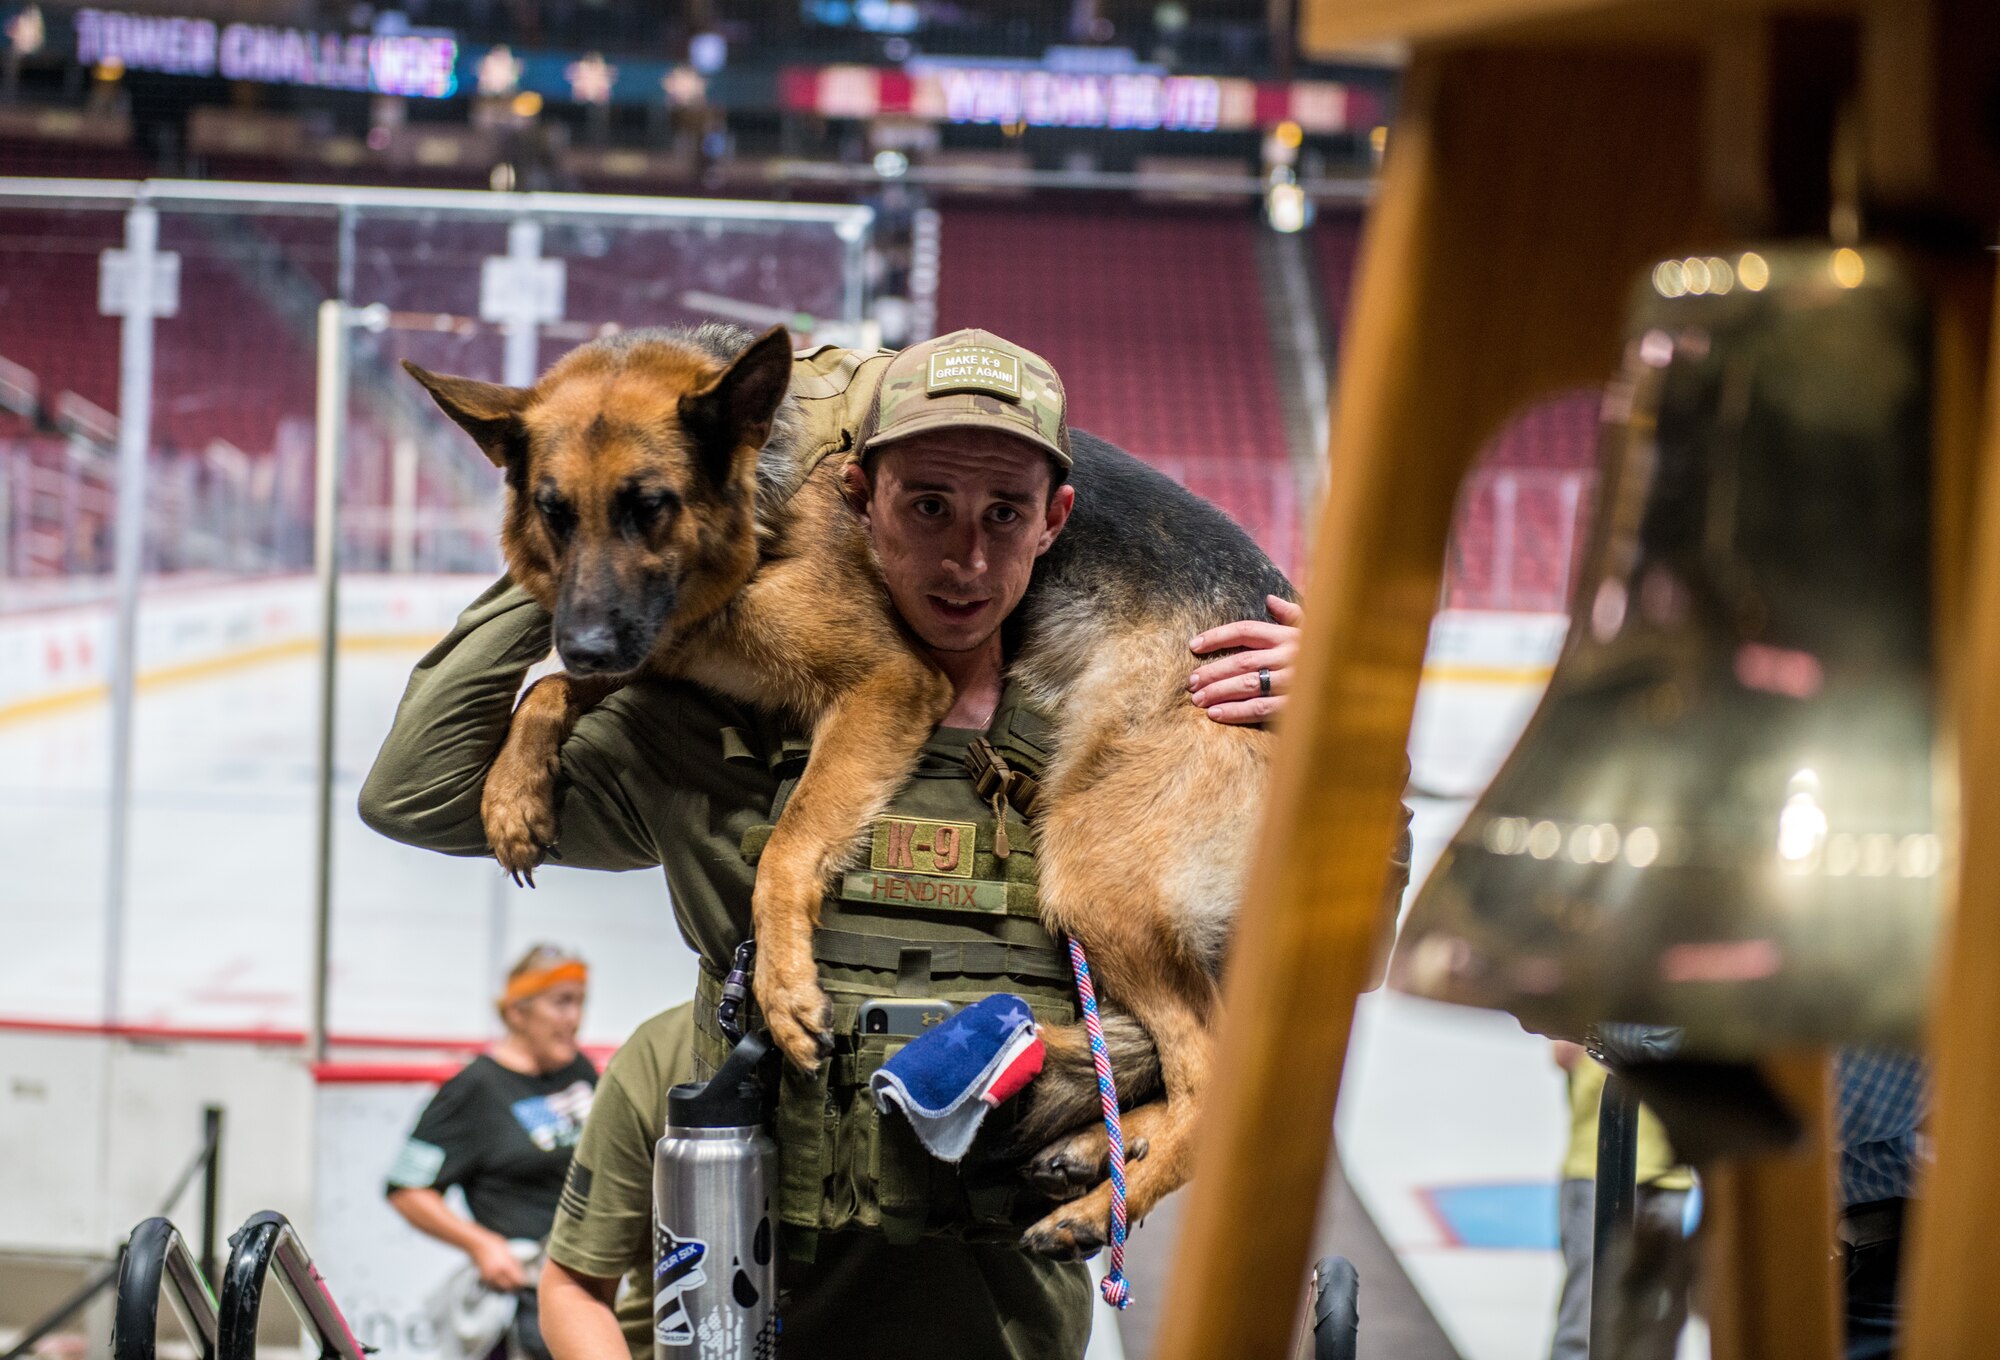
(970,380)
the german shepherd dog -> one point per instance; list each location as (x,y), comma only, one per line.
(654,508)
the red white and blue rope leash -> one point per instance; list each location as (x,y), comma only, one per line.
(1116,1292)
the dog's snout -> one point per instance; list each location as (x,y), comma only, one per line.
(606,624)
(590,647)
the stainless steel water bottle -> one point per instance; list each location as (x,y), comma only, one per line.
(715,1275)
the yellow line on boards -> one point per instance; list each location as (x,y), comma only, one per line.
(1455,674)
(184,671)
(181,672)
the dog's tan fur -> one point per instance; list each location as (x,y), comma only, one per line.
(779,602)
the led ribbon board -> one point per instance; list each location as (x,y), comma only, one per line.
(415,64)
(982,94)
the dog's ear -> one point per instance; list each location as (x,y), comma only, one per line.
(735,411)
(489,412)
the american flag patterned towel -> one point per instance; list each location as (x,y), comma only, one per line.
(946,1079)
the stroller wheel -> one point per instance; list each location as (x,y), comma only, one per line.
(1336,1313)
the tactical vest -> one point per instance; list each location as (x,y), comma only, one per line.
(943,906)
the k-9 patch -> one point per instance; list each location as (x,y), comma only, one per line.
(918,845)
(924,862)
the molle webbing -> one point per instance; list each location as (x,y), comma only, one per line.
(844,1166)
(937,958)
(711,1046)
(1007,764)
(939,907)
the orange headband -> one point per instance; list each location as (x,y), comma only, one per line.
(534,984)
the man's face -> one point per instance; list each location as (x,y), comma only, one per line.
(958,519)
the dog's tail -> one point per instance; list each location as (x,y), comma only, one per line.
(1064,1097)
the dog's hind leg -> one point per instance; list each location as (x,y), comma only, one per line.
(1064,1098)
(1074,1164)
(1168,1126)
(1142,853)
(517,806)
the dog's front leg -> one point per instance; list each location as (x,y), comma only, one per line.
(864,747)
(518,804)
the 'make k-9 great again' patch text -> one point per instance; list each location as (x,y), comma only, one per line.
(974,368)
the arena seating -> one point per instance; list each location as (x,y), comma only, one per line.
(1337,244)
(225,367)
(229,366)
(277,170)
(71,160)
(1525,509)
(235,364)
(48,301)
(638,274)
(1156,321)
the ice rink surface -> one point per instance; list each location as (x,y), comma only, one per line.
(219,896)
(218,920)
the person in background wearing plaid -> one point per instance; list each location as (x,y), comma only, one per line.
(1881,1104)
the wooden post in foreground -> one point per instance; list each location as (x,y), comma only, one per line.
(1488,279)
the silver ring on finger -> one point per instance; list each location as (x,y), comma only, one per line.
(1263,683)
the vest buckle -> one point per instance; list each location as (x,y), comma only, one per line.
(729,1011)
(997,779)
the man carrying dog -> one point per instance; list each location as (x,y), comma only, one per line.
(885,1252)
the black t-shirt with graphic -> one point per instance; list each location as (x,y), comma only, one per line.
(503,1137)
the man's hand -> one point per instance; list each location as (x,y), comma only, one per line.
(426,1211)
(1229,688)
(499,1268)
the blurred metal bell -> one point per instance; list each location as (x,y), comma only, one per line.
(1723,815)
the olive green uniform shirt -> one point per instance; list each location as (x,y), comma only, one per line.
(860,1296)
(666,773)
(645,780)
(604,1221)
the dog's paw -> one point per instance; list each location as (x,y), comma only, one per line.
(521,829)
(1074,1165)
(1067,1168)
(800,1019)
(1074,1232)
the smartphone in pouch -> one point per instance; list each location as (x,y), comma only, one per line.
(904,1017)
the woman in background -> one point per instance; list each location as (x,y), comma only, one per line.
(503,1130)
